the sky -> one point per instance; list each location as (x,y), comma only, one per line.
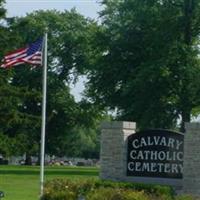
(88,8)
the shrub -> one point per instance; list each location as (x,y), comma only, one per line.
(60,189)
(116,194)
(158,190)
(59,195)
(185,197)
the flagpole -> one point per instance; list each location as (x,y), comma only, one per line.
(43,128)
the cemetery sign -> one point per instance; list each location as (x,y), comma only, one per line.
(155,153)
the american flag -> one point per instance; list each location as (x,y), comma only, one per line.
(31,54)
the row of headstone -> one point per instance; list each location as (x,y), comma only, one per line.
(154,156)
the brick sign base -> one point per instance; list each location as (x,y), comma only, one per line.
(114,157)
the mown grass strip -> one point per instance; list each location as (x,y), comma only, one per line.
(22,182)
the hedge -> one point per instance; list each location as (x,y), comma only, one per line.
(67,189)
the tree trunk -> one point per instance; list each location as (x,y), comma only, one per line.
(188,12)
(28,160)
(189,6)
(185,118)
(39,157)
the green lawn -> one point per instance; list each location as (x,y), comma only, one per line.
(22,182)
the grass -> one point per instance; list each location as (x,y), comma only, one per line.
(22,182)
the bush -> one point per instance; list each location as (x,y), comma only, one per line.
(60,189)
(185,197)
(59,195)
(166,192)
(116,194)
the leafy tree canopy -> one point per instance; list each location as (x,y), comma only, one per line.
(68,34)
(145,61)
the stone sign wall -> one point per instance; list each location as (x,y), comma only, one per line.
(113,152)
(138,163)
(191,170)
(151,156)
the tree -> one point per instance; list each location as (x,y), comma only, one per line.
(9,95)
(67,55)
(145,61)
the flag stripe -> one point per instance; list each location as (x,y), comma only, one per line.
(15,52)
(14,58)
